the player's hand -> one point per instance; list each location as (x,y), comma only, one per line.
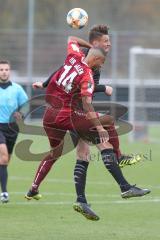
(109,90)
(103,134)
(37,85)
(18,116)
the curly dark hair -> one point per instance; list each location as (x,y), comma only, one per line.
(97,31)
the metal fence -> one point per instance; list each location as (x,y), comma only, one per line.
(49,51)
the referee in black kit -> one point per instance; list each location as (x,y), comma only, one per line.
(12,96)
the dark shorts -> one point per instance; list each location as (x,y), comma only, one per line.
(75,137)
(8,135)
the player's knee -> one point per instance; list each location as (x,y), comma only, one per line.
(111,121)
(107,120)
(104,145)
(54,155)
(4,159)
(83,156)
(83,152)
(56,151)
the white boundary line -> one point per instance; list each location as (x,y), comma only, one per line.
(56,180)
(69,194)
(106,195)
(38,203)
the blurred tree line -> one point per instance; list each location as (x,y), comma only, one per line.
(121,15)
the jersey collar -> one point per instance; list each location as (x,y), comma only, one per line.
(5,85)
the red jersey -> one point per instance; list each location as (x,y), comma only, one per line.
(71,82)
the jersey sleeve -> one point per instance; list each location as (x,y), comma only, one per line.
(46,82)
(87,86)
(74,48)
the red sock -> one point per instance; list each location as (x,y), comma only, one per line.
(42,171)
(114,140)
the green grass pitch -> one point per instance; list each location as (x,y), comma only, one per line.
(52,218)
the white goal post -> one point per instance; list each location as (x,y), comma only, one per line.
(141,81)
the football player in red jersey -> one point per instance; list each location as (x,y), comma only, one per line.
(73,83)
(98,37)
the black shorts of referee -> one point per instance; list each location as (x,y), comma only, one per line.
(8,135)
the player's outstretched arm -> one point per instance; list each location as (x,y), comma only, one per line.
(102,88)
(80,41)
(38,84)
(92,116)
(108,90)
(45,83)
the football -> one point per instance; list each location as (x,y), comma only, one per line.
(77,18)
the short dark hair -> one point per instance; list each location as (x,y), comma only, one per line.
(101,50)
(3,61)
(97,31)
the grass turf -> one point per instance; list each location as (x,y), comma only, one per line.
(53,217)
